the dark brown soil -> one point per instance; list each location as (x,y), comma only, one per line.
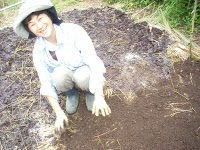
(155,103)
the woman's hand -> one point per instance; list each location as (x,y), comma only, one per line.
(61,122)
(100,105)
(61,118)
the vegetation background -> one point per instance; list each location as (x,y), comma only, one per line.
(181,15)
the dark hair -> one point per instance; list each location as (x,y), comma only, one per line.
(29,17)
(51,13)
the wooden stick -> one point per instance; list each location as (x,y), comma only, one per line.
(11,6)
(193,21)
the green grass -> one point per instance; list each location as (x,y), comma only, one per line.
(4,3)
(61,5)
(178,12)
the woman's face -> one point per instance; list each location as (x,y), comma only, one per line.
(41,25)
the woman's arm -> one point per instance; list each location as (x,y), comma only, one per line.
(54,104)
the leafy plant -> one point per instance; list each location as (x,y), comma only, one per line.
(61,4)
(178,12)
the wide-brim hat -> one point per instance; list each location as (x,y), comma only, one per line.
(28,7)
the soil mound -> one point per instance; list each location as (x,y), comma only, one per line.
(134,53)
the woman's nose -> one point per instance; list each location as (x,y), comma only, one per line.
(39,25)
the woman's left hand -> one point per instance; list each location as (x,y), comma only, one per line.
(101,106)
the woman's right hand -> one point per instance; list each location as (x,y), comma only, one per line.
(61,122)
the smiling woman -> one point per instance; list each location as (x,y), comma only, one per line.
(65,60)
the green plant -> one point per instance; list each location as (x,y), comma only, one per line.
(1,14)
(178,12)
(62,4)
(4,3)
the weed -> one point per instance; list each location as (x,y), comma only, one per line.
(61,4)
(178,12)
(4,3)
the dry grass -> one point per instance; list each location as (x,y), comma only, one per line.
(108,92)
(126,96)
(157,19)
(107,143)
(178,108)
(181,47)
(7,17)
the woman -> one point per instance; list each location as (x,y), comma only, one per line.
(65,60)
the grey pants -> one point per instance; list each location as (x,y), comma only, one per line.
(65,79)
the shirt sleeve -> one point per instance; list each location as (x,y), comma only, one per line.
(84,44)
(47,87)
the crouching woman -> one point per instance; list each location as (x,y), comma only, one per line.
(65,60)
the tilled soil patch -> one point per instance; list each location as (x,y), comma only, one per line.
(133,53)
(154,105)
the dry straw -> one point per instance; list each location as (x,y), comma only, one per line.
(182,46)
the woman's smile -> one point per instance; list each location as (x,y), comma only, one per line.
(43,31)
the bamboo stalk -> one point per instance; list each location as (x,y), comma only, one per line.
(193,22)
(10,6)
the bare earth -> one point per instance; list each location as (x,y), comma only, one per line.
(154,102)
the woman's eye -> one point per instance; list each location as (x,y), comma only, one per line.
(40,18)
(32,25)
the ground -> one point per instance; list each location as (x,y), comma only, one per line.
(154,101)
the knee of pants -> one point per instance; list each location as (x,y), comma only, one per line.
(62,78)
(82,77)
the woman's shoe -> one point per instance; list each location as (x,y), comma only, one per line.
(72,100)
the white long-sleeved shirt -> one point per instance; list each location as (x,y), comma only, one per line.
(74,49)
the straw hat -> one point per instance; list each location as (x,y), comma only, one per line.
(28,7)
